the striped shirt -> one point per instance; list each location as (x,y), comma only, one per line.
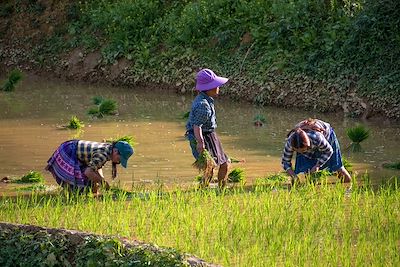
(93,154)
(202,114)
(318,143)
(326,127)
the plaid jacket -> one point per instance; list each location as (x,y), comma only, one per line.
(93,154)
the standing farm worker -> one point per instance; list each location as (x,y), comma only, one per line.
(202,122)
(77,164)
(316,147)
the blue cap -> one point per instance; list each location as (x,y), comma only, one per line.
(125,151)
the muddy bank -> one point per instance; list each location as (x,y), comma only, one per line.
(27,29)
(62,247)
(299,92)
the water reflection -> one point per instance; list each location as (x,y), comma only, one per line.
(31,116)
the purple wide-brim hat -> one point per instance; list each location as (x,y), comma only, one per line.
(207,80)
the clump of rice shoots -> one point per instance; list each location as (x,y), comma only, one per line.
(31,177)
(127,138)
(13,78)
(318,175)
(205,164)
(108,107)
(75,123)
(103,107)
(272,180)
(357,134)
(392,165)
(259,120)
(237,175)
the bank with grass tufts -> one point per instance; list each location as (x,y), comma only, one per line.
(324,55)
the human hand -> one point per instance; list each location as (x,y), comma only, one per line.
(315,168)
(200,147)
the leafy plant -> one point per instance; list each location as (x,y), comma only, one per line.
(237,175)
(31,177)
(13,78)
(357,134)
(97,100)
(75,123)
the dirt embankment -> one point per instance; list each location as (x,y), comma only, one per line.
(26,31)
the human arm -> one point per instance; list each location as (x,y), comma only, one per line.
(199,138)
(287,162)
(96,177)
(324,147)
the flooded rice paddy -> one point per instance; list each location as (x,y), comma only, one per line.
(31,120)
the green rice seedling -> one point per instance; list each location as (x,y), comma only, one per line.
(108,107)
(103,107)
(318,176)
(237,175)
(205,164)
(31,177)
(347,164)
(357,134)
(75,123)
(259,120)
(198,178)
(94,111)
(392,165)
(97,100)
(36,187)
(13,78)
(271,181)
(127,138)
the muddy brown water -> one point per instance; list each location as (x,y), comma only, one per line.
(32,116)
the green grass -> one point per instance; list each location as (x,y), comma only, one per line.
(308,226)
(237,175)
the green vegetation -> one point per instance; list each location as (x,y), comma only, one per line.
(343,44)
(357,134)
(127,138)
(392,165)
(75,123)
(248,228)
(237,175)
(13,78)
(205,164)
(103,107)
(24,247)
(31,177)
(259,120)
(185,115)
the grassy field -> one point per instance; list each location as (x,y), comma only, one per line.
(306,226)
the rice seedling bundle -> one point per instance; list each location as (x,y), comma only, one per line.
(126,138)
(357,134)
(236,175)
(75,123)
(205,164)
(392,165)
(31,177)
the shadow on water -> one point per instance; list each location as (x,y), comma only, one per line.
(31,116)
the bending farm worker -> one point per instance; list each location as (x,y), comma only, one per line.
(202,122)
(316,147)
(77,164)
